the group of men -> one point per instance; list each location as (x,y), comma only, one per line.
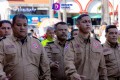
(79,58)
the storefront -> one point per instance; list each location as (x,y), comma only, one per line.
(34,14)
(35,10)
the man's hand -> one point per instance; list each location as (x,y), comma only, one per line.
(75,76)
(54,65)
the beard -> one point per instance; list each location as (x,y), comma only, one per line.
(62,37)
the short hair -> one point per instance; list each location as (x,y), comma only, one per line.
(49,28)
(18,16)
(109,27)
(80,17)
(73,31)
(62,23)
(5,21)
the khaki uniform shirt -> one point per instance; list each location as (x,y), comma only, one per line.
(85,59)
(27,61)
(56,53)
(112,59)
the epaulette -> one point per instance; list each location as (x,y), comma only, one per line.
(36,38)
(50,42)
(2,38)
(97,40)
(70,39)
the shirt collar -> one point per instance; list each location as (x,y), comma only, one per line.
(60,43)
(17,39)
(110,45)
(84,40)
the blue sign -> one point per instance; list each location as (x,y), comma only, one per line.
(33,19)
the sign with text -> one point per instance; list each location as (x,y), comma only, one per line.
(57,6)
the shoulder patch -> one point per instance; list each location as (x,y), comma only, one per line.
(50,42)
(70,39)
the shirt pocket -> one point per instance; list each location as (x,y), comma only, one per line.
(110,59)
(10,56)
(35,56)
(56,54)
(96,54)
(78,55)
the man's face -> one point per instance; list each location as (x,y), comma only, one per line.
(50,33)
(75,33)
(5,29)
(62,32)
(85,25)
(112,35)
(20,28)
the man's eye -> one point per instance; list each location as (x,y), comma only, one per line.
(19,25)
(3,28)
(8,28)
(84,21)
(111,33)
(25,25)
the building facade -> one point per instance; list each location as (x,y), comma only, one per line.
(36,10)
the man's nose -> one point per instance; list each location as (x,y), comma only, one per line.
(22,26)
(6,30)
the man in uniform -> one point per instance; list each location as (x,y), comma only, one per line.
(5,28)
(50,36)
(55,51)
(22,57)
(112,53)
(84,58)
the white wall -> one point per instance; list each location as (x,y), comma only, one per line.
(4,9)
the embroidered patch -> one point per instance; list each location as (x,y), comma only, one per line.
(35,45)
(10,46)
(96,45)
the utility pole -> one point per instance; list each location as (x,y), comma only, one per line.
(105,12)
(51,11)
(64,12)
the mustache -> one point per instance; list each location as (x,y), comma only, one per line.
(88,27)
(64,35)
